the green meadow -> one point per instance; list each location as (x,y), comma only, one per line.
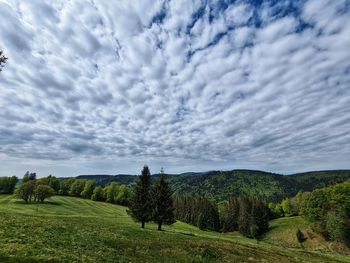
(68,229)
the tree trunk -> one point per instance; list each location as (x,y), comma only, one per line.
(160,226)
(143,224)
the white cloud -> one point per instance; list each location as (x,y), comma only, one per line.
(177,84)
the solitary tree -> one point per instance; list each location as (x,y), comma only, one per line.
(2,60)
(140,206)
(162,202)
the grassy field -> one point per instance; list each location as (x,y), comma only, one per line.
(67,229)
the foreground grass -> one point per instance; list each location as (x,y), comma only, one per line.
(68,229)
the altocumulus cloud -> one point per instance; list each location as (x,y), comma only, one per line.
(105,86)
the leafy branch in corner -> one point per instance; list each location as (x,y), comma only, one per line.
(2,59)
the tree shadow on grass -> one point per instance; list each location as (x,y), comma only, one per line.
(37,203)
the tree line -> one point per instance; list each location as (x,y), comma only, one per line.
(8,184)
(249,216)
(33,189)
(197,211)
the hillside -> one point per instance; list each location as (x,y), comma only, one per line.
(68,229)
(220,185)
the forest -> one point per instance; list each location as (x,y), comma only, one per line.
(222,185)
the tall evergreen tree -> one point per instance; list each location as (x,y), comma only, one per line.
(244,217)
(140,205)
(162,203)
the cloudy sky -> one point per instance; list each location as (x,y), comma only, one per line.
(106,86)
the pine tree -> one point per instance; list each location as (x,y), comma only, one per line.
(244,218)
(140,206)
(162,202)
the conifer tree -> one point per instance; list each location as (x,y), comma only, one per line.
(140,206)
(162,203)
(244,217)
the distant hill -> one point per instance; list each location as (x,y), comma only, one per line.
(220,185)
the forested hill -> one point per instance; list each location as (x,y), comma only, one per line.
(220,185)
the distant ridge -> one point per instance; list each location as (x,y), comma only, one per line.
(220,185)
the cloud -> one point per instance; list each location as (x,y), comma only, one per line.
(185,85)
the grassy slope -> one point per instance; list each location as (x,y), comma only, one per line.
(283,233)
(69,229)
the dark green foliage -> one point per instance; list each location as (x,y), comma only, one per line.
(328,209)
(162,203)
(88,189)
(29,177)
(244,217)
(41,192)
(123,195)
(35,190)
(276,210)
(3,60)
(336,225)
(307,182)
(316,205)
(98,194)
(229,215)
(51,181)
(260,216)
(77,187)
(221,185)
(8,184)
(140,205)
(65,186)
(249,216)
(197,211)
(26,191)
(111,192)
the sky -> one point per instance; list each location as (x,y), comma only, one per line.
(104,87)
